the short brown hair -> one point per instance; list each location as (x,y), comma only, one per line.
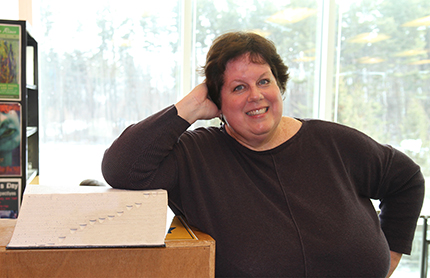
(234,44)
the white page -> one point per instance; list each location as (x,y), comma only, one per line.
(85,216)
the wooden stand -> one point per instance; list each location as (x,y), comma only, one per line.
(182,257)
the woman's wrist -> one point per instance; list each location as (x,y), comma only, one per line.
(185,111)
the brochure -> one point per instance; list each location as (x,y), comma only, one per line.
(10,197)
(10,61)
(10,139)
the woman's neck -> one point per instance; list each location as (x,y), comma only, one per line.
(286,129)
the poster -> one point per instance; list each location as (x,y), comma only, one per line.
(10,57)
(10,139)
(10,197)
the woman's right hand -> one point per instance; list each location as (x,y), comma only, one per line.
(197,106)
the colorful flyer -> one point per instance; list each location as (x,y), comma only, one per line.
(10,139)
(10,57)
(10,197)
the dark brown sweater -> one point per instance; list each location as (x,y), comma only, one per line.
(302,209)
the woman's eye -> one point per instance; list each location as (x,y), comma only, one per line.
(238,88)
(264,82)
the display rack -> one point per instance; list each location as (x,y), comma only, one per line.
(18,90)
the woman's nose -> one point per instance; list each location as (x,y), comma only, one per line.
(255,95)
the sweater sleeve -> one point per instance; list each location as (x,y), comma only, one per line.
(142,156)
(401,202)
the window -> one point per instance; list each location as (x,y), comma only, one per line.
(104,65)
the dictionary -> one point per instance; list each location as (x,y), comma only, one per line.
(88,216)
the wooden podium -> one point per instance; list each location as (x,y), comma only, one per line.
(188,253)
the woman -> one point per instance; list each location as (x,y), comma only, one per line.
(282,197)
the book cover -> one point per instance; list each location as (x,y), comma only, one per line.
(10,57)
(10,139)
(179,230)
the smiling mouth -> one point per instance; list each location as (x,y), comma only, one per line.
(257,112)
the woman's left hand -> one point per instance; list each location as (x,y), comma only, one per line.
(395,259)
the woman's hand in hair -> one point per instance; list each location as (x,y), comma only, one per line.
(197,106)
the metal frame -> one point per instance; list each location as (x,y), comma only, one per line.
(425,247)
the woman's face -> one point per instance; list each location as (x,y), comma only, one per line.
(251,101)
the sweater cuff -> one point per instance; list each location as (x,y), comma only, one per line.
(184,122)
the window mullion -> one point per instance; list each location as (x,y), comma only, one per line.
(187,47)
(323,108)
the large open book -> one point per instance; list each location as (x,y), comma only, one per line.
(90,216)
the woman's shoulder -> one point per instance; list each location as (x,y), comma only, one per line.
(202,134)
(343,136)
(329,127)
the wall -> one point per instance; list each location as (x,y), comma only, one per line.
(17,10)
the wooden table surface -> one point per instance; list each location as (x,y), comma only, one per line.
(180,258)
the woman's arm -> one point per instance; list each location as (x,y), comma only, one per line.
(401,199)
(141,157)
(136,156)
